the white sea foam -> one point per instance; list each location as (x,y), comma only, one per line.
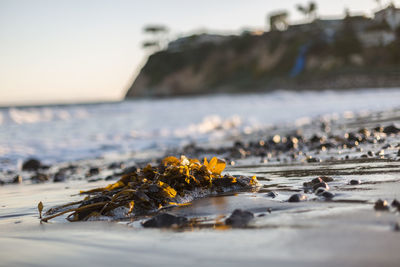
(62,133)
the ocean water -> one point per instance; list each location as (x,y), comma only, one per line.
(73,132)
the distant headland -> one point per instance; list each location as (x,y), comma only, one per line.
(352,52)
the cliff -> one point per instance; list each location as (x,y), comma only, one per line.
(293,60)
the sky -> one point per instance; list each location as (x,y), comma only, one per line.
(58,51)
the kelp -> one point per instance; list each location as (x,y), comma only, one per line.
(173,182)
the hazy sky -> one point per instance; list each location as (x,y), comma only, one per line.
(79,50)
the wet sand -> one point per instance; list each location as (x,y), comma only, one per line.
(344,230)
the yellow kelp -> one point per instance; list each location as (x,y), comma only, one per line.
(154,188)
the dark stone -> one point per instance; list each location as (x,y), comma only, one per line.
(312,160)
(165,220)
(45,167)
(398,153)
(2,182)
(355,182)
(391,129)
(321,185)
(396,204)
(297,198)
(386,146)
(327,194)
(59,177)
(369,153)
(116,165)
(319,191)
(271,194)
(315,139)
(396,227)
(94,180)
(129,170)
(31,165)
(381,205)
(93,171)
(238,144)
(239,218)
(17,179)
(326,179)
(40,178)
(316,180)
(108,178)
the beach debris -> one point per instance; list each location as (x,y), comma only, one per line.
(355,182)
(40,178)
(239,218)
(297,198)
(381,205)
(165,220)
(40,209)
(31,165)
(17,179)
(173,182)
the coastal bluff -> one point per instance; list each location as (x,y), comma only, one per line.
(314,56)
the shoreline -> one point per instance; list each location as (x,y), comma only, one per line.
(311,232)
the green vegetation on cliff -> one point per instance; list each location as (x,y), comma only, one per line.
(302,57)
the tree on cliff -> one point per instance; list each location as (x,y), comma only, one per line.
(159,36)
(309,11)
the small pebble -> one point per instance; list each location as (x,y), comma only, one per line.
(109,177)
(396,204)
(165,220)
(59,177)
(312,160)
(396,227)
(326,179)
(239,218)
(327,195)
(355,182)
(297,198)
(381,205)
(321,185)
(271,194)
(319,191)
(317,180)
(116,165)
(93,171)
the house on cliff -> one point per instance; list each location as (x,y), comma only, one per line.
(389,15)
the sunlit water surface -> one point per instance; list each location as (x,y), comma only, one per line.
(73,132)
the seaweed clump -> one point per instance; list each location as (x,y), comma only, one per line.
(173,182)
